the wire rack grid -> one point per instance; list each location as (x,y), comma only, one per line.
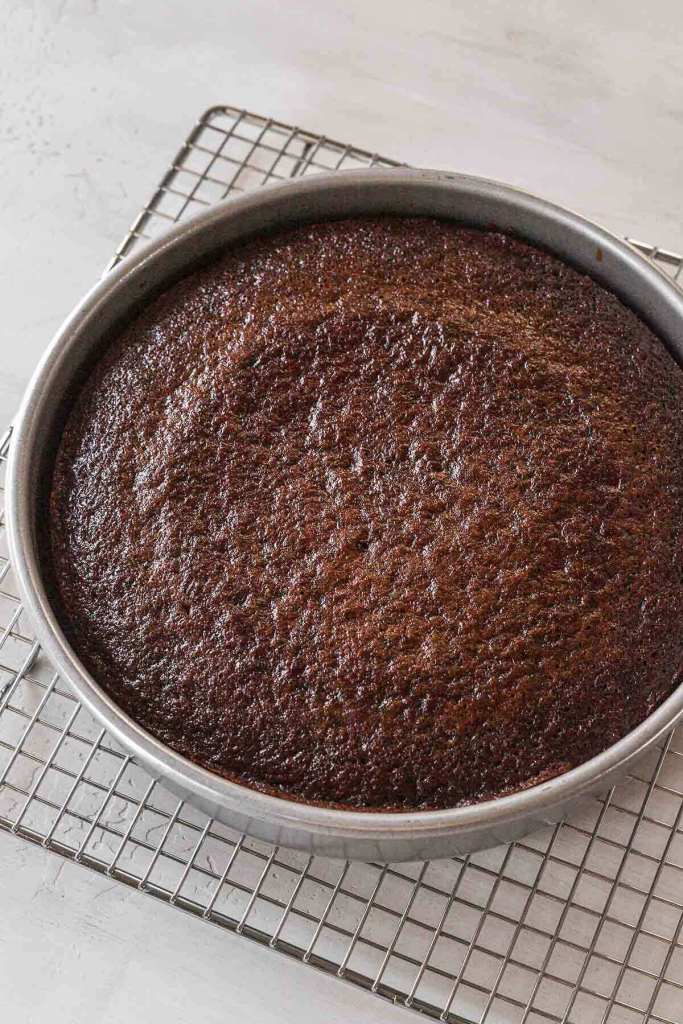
(579,923)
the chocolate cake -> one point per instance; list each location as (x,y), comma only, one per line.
(383,513)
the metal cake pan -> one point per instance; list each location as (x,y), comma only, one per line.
(473,201)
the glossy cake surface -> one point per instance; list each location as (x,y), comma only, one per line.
(383,513)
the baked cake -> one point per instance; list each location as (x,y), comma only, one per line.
(384,513)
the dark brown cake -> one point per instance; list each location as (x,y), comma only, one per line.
(384,513)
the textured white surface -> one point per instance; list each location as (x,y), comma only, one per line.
(76,948)
(580,102)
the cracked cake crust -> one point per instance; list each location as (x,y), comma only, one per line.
(382,513)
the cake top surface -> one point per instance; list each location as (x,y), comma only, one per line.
(382,513)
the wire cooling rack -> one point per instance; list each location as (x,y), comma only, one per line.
(579,923)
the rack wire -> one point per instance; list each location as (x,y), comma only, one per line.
(579,923)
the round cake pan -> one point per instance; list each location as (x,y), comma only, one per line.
(473,201)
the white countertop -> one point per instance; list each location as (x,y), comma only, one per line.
(581,102)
